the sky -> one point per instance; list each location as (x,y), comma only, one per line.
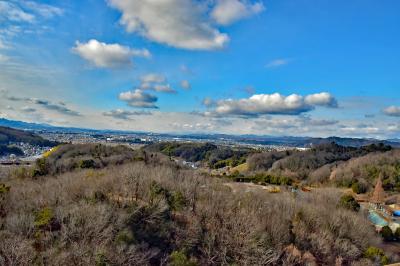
(265,67)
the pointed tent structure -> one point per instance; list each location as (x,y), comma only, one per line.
(378,197)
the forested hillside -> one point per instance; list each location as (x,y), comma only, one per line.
(302,164)
(212,155)
(121,207)
(8,135)
(6,150)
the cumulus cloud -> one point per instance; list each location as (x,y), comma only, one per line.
(155,82)
(185,84)
(227,12)
(261,104)
(124,114)
(178,23)
(138,98)
(105,55)
(392,111)
(322,99)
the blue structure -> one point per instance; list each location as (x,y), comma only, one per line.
(377,219)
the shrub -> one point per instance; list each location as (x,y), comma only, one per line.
(176,201)
(179,258)
(4,191)
(45,220)
(125,237)
(348,202)
(359,188)
(101,259)
(397,234)
(42,167)
(375,253)
(387,233)
(285,181)
(87,164)
(152,225)
(98,196)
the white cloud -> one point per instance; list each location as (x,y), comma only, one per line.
(392,111)
(229,11)
(124,114)
(394,127)
(138,98)
(152,78)
(357,130)
(12,12)
(194,127)
(44,10)
(261,104)
(155,82)
(185,84)
(308,121)
(28,109)
(105,55)
(45,104)
(277,63)
(322,99)
(58,107)
(178,23)
(27,11)
(163,88)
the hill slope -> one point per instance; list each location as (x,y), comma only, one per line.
(9,135)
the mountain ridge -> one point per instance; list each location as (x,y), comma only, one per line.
(295,141)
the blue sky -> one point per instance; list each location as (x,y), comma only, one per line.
(287,67)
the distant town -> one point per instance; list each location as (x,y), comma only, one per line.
(134,140)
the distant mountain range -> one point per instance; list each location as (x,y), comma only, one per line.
(246,139)
(34,126)
(296,141)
